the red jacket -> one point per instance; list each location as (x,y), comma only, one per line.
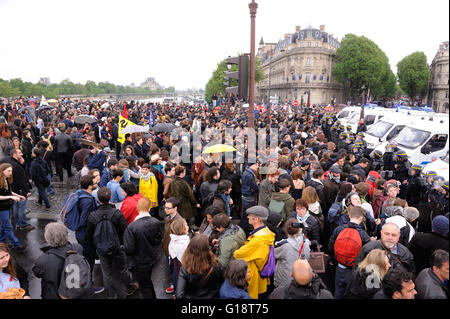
(129,207)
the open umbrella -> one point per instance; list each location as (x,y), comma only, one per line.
(163,127)
(87,142)
(219,148)
(134,129)
(45,107)
(81,119)
(24,108)
(52,101)
(105,105)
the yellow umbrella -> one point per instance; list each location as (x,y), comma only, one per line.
(219,148)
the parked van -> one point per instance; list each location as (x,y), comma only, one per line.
(389,126)
(440,166)
(424,140)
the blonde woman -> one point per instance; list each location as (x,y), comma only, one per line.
(366,278)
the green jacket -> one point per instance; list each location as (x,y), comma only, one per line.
(232,239)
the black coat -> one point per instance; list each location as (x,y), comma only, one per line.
(39,171)
(27,148)
(20,184)
(140,239)
(403,255)
(63,143)
(113,214)
(49,267)
(357,286)
(422,245)
(195,286)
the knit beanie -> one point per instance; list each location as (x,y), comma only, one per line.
(440,225)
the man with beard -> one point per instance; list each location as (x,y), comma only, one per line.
(399,256)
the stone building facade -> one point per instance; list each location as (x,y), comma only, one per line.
(439,84)
(151,84)
(299,65)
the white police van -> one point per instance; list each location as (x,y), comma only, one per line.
(440,166)
(424,140)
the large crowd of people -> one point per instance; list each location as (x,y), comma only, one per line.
(313,215)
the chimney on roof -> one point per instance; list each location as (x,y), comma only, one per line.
(322,28)
(297,28)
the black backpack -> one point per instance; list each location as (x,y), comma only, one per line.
(106,240)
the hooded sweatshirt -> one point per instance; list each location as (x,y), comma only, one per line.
(177,246)
(148,187)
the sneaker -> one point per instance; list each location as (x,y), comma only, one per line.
(170,290)
(27,227)
(133,288)
(99,289)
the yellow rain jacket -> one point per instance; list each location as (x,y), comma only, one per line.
(149,188)
(256,252)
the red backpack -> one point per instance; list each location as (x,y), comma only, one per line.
(347,246)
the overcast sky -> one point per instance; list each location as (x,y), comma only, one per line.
(180,42)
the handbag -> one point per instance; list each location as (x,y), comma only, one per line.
(317,260)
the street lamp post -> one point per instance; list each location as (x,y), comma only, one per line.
(253,6)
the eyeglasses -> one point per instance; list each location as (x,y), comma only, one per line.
(169,207)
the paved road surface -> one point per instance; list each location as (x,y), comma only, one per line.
(34,240)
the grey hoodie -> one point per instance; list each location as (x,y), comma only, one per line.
(286,253)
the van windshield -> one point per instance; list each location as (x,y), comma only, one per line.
(355,118)
(379,129)
(343,114)
(411,138)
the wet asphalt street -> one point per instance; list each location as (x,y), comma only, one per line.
(34,240)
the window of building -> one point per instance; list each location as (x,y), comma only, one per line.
(308,61)
(293,77)
(317,44)
(309,44)
(315,77)
(328,78)
(307,78)
(446,94)
(321,77)
(299,77)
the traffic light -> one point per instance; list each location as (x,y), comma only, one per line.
(240,91)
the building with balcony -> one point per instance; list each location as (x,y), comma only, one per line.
(299,65)
(439,83)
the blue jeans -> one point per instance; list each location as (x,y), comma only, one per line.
(42,195)
(49,188)
(6,229)
(343,277)
(19,212)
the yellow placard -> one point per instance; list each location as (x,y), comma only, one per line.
(123,123)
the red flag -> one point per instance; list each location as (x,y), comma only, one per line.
(124,113)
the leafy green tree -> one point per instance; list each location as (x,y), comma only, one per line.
(413,74)
(361,66)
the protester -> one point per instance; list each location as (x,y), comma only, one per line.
(129,205)
(422,245)
(141,238)
(230,237)
(305,284)
(256,250)
(50,264)
(296,246)
(98,235)
(179,240)
(431,282)
(236,281)
(366,278)
(397,284)
(39,171)
(200,277)
(7,197)
(12,275)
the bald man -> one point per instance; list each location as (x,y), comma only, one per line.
(305,284)
(399,255)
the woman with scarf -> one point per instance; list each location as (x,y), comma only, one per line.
(158,170)
(222,198)
(303,215)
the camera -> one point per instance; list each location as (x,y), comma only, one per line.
(298,225)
